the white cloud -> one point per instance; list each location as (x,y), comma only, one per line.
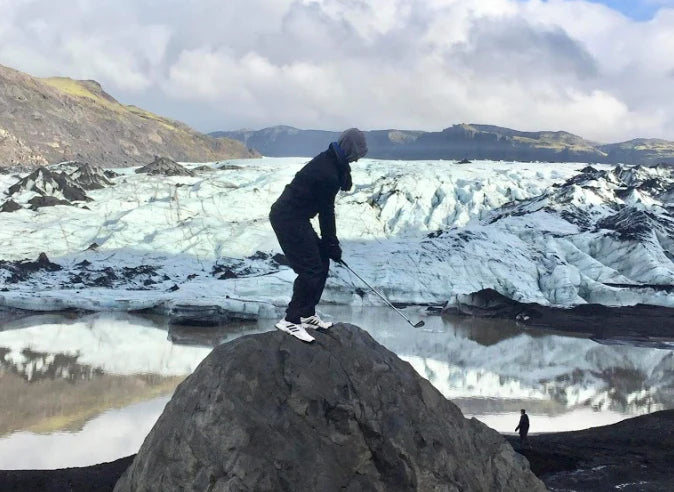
(82,39)
(423,64)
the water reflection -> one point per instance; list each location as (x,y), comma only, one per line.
(64,376)
(112,434)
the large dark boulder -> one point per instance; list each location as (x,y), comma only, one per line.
(268,412)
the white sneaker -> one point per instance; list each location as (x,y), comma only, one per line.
(315,322)
(295,330)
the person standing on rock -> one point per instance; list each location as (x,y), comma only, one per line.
(523,427)
(312,191)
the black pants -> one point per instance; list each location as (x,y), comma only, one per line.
(308,259)
(524,441)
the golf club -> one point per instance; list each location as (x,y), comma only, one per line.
(415,325)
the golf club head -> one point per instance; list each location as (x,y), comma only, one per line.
(419,324)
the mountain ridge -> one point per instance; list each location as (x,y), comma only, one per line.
(462,141)
(54,119)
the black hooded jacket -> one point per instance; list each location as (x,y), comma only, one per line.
(523,426)
(313,190)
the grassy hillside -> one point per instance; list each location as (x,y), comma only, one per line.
(641,150)
(54,119)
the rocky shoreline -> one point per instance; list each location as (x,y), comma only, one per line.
(603,323)
(632,455)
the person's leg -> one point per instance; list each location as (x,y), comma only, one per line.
(325,267)
(310,279)
(313,320)
(299,244)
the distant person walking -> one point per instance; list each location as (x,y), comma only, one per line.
(312,191)
(523,427)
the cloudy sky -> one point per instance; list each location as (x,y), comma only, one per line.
(601,69)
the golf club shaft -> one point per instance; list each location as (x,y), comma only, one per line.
(378,293)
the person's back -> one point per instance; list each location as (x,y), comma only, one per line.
(314,187)
(524,423)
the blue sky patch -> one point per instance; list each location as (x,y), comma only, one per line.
(641,10)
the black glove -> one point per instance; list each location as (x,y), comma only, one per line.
(333,251)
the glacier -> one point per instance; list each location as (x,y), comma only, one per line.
(423,232)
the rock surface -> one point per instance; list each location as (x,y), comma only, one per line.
(44,182)
(10,206)
(598,321)
(15,271)
(267,412)
(165,167)
(45,187)
(89,177)
(629,456)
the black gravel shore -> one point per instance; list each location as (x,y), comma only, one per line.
(634,455)
(96,478)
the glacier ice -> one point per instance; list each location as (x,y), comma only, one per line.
(421,232)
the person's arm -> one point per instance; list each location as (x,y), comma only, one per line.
(326,220)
